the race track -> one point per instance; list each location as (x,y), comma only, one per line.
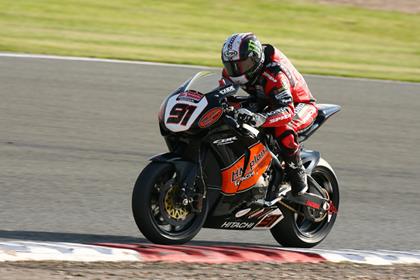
(75,134)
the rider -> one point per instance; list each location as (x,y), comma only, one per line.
(267,74)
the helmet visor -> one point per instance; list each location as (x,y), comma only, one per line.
(240,67)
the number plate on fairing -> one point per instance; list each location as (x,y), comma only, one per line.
(183,109)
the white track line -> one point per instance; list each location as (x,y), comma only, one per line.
(90,59)
(59,251)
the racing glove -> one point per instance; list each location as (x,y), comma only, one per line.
(248,117)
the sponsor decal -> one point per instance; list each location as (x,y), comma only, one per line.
(279,94)
(257,158)
(312,204)
(239,177)
(230,53)
(258,213)
(242,212)
(210,117)
(270,220)
(239,225)
(227,90)
(254,47)
(225,141)
(299,107)
(278,111)
(190,96)
(283,96)
(280,118)
(231,41)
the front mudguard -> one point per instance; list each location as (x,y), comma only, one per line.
(310,159)
(186,171)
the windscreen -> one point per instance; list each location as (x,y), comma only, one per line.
(204,82)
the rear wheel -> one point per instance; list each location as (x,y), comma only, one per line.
(158,209)
(296,230)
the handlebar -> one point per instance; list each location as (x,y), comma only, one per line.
(230,117)
(241,128)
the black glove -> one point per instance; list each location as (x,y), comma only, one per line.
(246,116)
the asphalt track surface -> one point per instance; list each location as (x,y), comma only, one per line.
(74,135)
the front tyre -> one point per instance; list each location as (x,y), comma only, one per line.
(157,210)
(297,231)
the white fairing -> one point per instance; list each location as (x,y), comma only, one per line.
(178,127)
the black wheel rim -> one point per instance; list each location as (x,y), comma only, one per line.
(311,229)
(160,218)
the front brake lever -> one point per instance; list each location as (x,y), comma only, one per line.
(230,121)
(241,128)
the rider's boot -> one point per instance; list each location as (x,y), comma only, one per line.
(296,173)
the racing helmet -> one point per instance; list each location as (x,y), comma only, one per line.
(243,57)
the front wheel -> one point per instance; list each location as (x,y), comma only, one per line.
(158,209)
(297,231)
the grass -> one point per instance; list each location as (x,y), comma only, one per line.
(320,39)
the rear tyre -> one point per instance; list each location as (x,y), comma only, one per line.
(296,231)
(157,211)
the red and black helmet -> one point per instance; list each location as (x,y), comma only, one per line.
(243,57)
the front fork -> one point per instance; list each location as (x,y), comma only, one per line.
(188,178)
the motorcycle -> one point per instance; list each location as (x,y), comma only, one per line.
(223,174)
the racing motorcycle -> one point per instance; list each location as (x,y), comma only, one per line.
(223,174)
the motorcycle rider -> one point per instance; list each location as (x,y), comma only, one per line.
(267,74)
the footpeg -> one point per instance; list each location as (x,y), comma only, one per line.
(277,196)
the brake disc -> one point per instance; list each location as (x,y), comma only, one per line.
(172,210)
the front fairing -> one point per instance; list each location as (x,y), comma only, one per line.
(194,107)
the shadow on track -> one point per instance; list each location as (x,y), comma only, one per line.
(96,238)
